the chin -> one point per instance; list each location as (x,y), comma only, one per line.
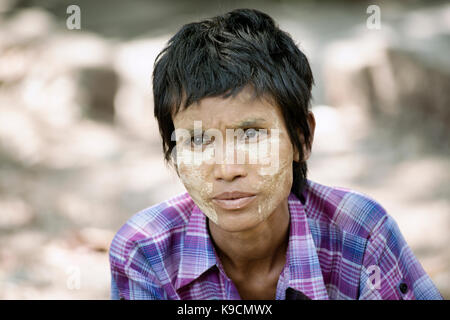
(237,222)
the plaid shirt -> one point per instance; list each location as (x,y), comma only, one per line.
(342,245)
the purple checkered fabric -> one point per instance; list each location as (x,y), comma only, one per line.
(342,245)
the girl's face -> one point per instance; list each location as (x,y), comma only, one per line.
(258,163)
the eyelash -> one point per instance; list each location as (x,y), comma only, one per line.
(257,130)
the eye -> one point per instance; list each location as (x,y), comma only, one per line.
(197,140)
(251,133)
(254,135)
(200,140)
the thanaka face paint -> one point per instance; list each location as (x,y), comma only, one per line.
(254,150)
(270,180)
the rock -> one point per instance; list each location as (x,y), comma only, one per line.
(95,239)
(98,86)
(395,79)
(134,110)
(15,213)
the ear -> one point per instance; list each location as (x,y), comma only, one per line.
(306,151)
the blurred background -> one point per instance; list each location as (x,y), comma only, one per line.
(80,151)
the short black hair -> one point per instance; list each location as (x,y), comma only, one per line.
(222,55)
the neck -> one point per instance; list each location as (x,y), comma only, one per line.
(260,249)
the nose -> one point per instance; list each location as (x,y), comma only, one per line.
(230,165)
(229,172)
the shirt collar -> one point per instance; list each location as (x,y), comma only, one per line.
(198,254)
(304,272)
(302,263)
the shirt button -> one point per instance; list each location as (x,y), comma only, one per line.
(403,287)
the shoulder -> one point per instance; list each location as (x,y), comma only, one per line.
(154,225)
(348,210)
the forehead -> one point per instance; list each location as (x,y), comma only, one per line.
(217,112)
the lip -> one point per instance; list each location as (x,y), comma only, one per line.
(233,195)
(234,200)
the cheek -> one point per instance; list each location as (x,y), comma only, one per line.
(275,182)
(194,180)
(280,182)
(193,173)
(275,188)
(199,188)
(274,157)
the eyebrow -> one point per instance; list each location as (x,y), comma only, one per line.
(251,122)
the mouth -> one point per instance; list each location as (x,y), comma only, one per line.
(233,200)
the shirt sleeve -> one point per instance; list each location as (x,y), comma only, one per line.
(131,275)
(390,270)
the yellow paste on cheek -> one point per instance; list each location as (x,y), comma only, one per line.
(273,180)
(273,189)
(200,190)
